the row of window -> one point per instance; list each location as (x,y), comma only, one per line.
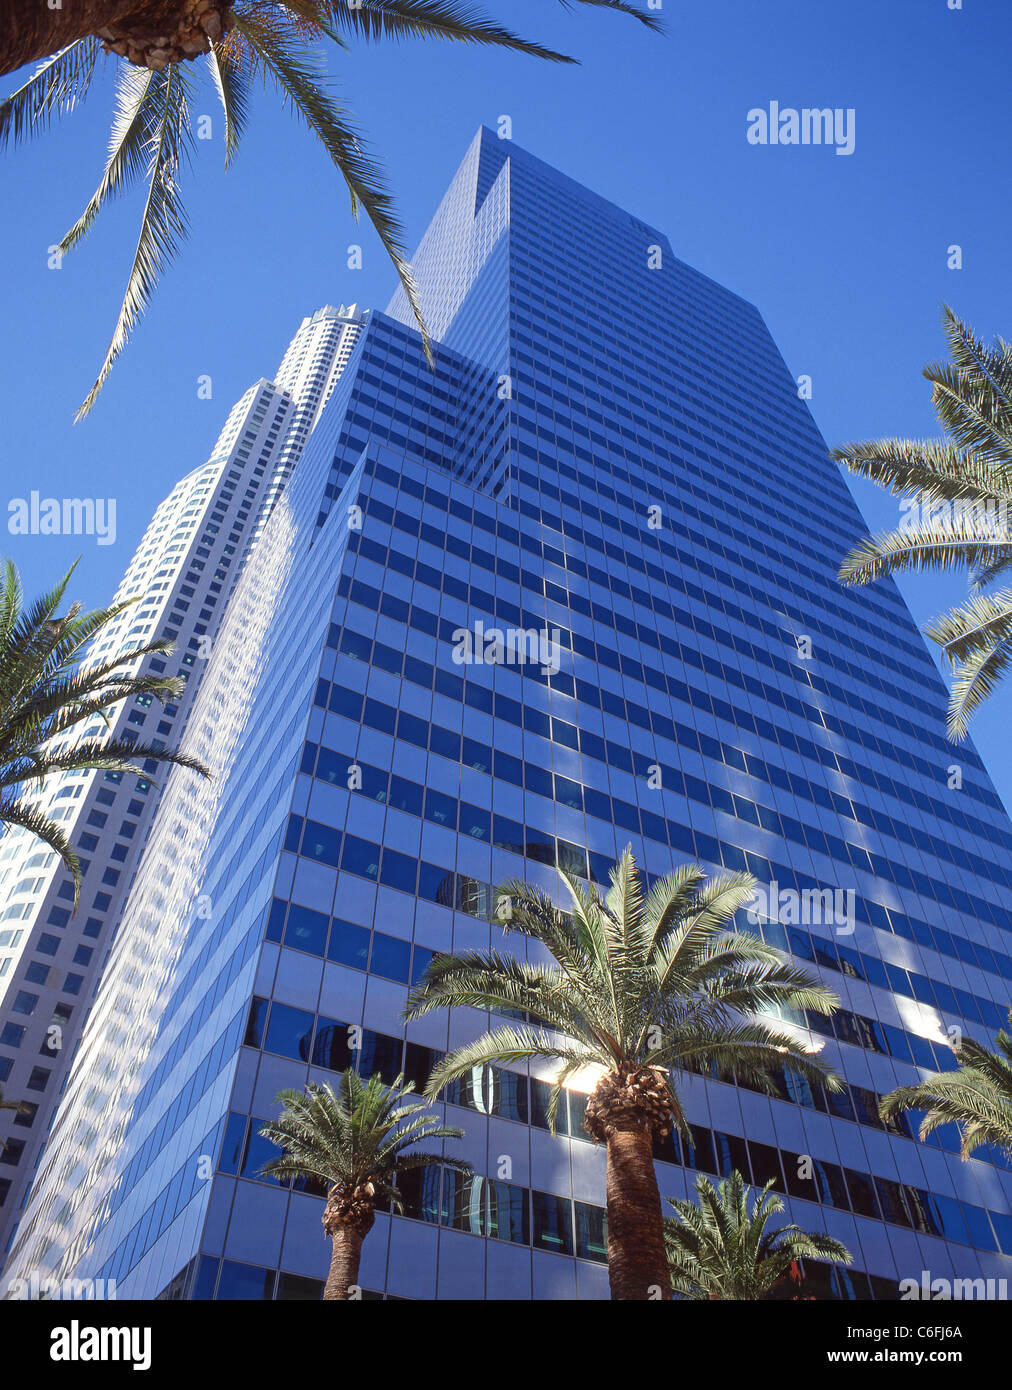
(589,477)
(729,675)
(461,893)
(335,1045)
(503,833)
(230,1280)
(346,943)
(413,615)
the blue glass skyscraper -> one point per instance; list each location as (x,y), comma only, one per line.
(609,451)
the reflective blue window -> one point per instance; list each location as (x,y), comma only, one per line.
(244,1281)
(552,1223)
(331,1045)
(289,1032)
(349,944)
(323,843)
(306,930)
(391,957)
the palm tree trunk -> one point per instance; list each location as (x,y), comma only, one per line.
(637,1263)
(346,1254)
(33,29)
(30,30)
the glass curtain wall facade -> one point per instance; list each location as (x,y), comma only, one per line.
(180,578)
(611,449)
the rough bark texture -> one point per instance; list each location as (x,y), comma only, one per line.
(630,1097)
(347,1218)
(628,1107)
(637,1263)
(344,1261)
(149,33)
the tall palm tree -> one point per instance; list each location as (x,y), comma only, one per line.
(277,42)
(719,1249)
(46,695)
(639,986)
(357,1142)
(977,1096)
(959,490)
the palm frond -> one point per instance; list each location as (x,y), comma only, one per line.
(721,1246)
(163,223)
(431,19)
(977,641)
(946,547)
(19,811)
(45,694)
(137,97)
(230,84)
(932,470)
(55,88)
(362,1134)
(970,472)
(976,1097)
(302,77)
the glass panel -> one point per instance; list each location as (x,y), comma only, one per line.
(306,930)
(508,1217)
(540,1095)
(330,1046)
(289,1032)
(419,1193)
(464,1201)
(292,1287)
(244,1282)
(507,1094)
(255,1025)
(591,1232)
(379,1053)
(349,944)
(391,957)
(553,1223)
(231,1147)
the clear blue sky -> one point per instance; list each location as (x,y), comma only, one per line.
(845,256)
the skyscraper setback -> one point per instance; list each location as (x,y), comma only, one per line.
(648,488)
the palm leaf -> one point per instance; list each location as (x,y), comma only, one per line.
(230,84)
(163,224)
(54,88)
(302,77)
(129,141)
(19,811)
(955,546)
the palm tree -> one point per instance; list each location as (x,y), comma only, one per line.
(977,1096)
(638,987)
(46,694)
(720,1250)
(960,489)
(276,41)
(357,1143)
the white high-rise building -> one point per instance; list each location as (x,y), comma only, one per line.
(315,358)
(180,578)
